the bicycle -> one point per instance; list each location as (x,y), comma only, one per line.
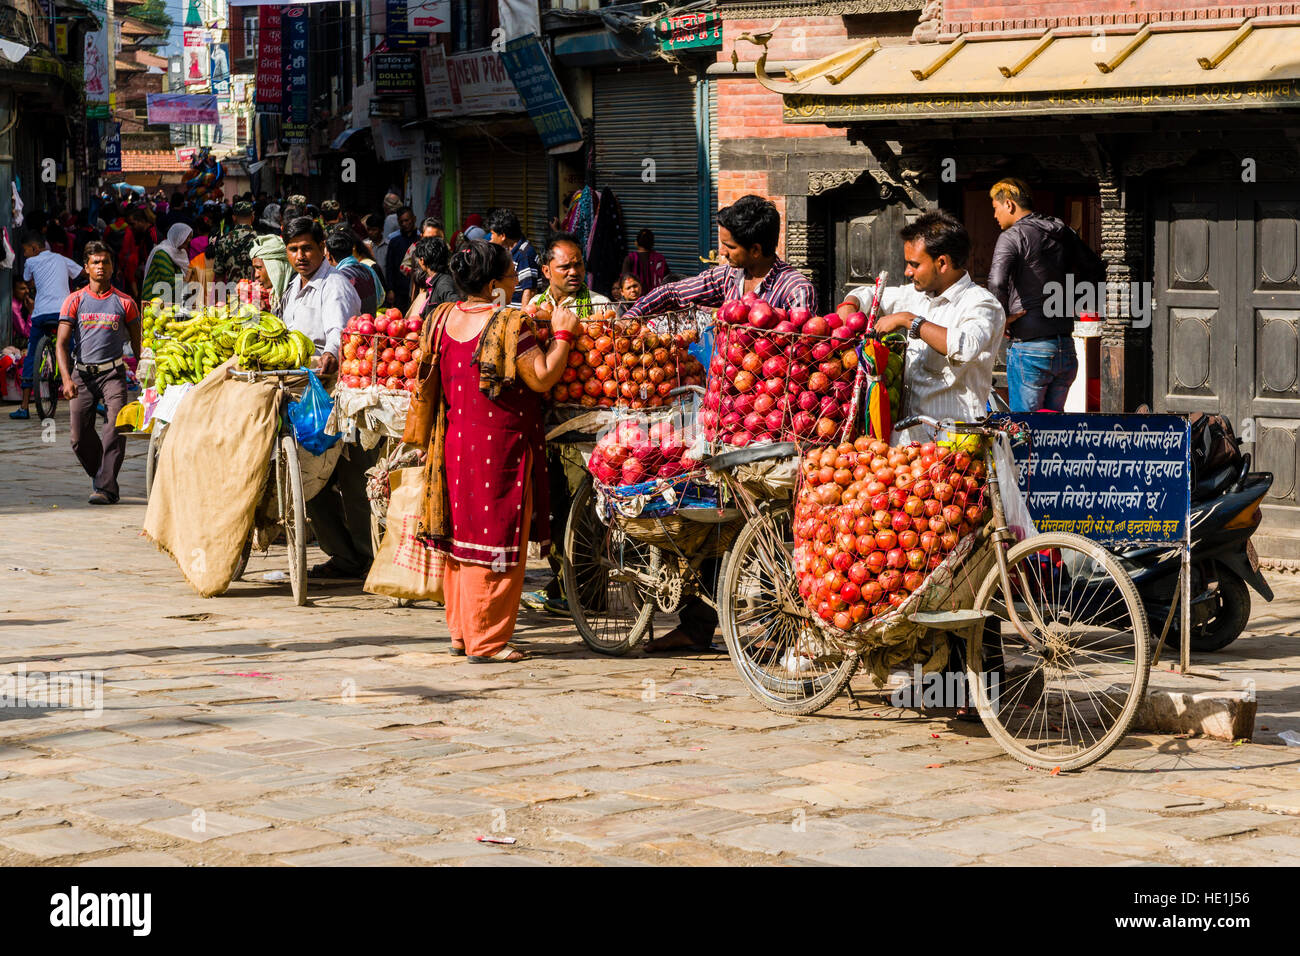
(1057,642)
(291,504)
(46,379)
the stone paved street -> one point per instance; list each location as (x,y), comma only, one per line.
(242,729)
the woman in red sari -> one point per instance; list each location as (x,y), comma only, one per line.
(494,458)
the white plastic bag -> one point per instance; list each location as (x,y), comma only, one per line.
(1013,502)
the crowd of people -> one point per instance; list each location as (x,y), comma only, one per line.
(492,484)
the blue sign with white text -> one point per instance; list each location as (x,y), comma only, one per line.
(533,76)
(1110,478)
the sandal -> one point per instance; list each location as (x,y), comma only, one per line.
(507,655)
(457,650)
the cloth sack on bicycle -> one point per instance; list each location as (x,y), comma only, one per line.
(211,471)
(405,567)
(309,416)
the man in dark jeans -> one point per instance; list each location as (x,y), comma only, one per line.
(104,319)
(1031,261)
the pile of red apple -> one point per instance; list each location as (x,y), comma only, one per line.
(383,350)
(632,452)
(625,363)
(871,522)
(780,376)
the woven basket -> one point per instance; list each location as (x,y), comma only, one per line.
(674,533)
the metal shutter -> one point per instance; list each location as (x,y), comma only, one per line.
(510,171)
(649,113)
(710,240)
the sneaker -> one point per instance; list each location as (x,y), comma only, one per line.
(102,498)
(534,600)
(20,414)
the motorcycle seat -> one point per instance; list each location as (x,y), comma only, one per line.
(1213,484)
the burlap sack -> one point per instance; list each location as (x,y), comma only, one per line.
(404,566)
(210,475)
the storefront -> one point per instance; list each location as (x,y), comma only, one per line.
(652,143)
(1172,143)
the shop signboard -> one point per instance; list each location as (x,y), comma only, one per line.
(533,76)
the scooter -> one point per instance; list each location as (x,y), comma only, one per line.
(1225,513)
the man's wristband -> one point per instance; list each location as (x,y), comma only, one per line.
(914,331)
(851,304)
(563,335)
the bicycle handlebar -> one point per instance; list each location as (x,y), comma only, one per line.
(252,374)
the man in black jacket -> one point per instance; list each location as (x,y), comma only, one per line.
(1031,261)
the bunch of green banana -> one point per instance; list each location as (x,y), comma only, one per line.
(178,361)
(271,345)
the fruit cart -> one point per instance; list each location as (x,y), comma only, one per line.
(1048,632)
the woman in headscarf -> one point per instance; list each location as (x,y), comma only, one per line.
(271,268)
(168,261)
(473,229)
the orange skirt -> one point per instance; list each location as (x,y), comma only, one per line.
(482,604)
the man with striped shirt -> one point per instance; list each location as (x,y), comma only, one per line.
(503,225)
(747,232)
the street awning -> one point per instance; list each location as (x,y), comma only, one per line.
(1154,67)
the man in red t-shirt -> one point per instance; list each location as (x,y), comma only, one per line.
(104,319)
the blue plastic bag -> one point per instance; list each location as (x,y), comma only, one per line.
(308,416)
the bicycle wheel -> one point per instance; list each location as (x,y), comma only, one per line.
(45,382)
(1065,696)
(244,555)
(288,479)
(775,650)
(608,579)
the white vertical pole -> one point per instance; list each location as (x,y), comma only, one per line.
(1185,583)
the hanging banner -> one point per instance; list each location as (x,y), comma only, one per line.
(196,66)
(533,76)
(296,105)
(269,66)
(183,108)
(396,74)
(219,74)
(480,84)
(95,58)
(113,149)
(437,88)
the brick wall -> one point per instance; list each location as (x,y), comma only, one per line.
(745,108)
(974,15)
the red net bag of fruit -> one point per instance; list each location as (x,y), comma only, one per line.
(627,363)
(875,525)
(778,376)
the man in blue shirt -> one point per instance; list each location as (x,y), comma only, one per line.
(503,225)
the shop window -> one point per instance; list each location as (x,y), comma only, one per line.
(250,34)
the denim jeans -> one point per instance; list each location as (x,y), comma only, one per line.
(42,325)
(1040,373)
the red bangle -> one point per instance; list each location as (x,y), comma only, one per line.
(562,335)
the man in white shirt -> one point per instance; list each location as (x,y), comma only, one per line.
(50,273)
(953,326)
(319,300)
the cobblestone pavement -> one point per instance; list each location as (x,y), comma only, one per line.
(242,729)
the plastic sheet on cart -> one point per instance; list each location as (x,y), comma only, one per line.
(373,414)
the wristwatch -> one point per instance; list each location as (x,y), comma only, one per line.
(914,332)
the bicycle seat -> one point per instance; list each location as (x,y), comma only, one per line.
(751,455)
